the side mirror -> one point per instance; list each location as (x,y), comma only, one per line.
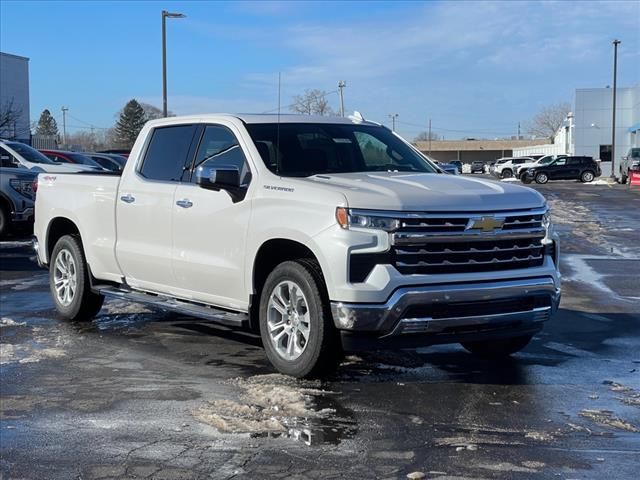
(221,177)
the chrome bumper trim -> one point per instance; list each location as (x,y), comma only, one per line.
(388,318)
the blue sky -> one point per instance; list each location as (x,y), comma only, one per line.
(474,68)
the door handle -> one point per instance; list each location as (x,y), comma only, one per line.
(184,203)
(128,198)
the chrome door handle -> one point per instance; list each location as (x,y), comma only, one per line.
(128,198)
(184,203)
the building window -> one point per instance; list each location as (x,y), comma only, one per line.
(605,153)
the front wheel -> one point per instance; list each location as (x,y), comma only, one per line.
(542,178)
(69,281)
(498,348)
(5,222)
(296,325)
(587,176)
(506,173)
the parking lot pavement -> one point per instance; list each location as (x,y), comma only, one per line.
(144,394)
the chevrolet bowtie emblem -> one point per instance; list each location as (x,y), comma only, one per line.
(486,224)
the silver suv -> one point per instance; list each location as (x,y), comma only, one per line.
(630,163)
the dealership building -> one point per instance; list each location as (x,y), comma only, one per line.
(14,96)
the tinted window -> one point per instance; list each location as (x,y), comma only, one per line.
(28,153)
(560,162)
(7,160)
(575,161)
(166,155)
(219,146)
(306,149)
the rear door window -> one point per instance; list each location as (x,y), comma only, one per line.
(168,152)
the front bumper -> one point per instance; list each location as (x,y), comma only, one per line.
(446,309)
(25,215)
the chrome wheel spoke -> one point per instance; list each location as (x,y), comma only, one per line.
(65,277)
(288,320)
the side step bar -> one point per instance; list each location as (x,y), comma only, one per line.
(232,319)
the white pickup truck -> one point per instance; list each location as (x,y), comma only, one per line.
(324,235)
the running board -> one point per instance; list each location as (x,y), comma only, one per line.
(232,319)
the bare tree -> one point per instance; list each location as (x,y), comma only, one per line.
(547,122)
(9,115)
(152,112)
(426,136)
(311,102)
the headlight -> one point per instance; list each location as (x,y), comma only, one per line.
(547,225)
(23,187)
(358,219)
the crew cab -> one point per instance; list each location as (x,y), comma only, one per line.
(582,168)
(324,234)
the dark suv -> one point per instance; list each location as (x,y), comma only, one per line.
(477,166)
(584,169)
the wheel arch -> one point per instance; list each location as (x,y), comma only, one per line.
(271,253)
(57,228)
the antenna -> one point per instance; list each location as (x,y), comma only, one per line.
(278,131)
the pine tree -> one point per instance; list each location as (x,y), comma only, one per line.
(47,124)
(132,119)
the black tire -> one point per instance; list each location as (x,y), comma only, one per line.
(525,180)
(507,173)
(587,176)
(624,178)
(322,352)
(84,304)
(542,178)
(5,222)
(498,348)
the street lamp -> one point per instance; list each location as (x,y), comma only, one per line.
(613,123)
(166,15)
(341,85)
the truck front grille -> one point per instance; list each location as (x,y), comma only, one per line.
(429,244)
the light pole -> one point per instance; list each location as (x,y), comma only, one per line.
(341,85)
(393,117)
(64,125)
(166,15)
(613,122)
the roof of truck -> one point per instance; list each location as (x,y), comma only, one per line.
(271,118)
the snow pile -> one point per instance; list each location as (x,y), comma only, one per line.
(268,404)
(510,179)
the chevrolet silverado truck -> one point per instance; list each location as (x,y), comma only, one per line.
(324,234)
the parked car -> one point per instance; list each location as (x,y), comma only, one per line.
(62,156)
(477,167)
(457,164)
(108,161)
(16,198)
(297,227)
(543,160)
(630,163)
(580,168)
(447,167)
(506,167)
(123,152)
(16,154)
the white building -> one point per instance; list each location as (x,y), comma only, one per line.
(562,142)
(593,123)
(14,93)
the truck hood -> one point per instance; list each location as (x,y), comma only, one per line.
(427,192)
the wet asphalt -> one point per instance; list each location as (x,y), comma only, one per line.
(139,393)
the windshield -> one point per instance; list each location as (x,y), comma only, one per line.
(635,153)
(28,153)
(545,160)
(305,149)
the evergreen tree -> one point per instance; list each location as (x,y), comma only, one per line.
(132,119)
(47,124)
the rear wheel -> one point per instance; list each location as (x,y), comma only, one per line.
(498,348)
(542,178)
(69,281)
(296,325)
(624,177)
(587,176)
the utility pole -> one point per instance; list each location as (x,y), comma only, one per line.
(613,122)
(64,125)
(166,15)
(429,136)
(393,117)
(341,85)
(518,130)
